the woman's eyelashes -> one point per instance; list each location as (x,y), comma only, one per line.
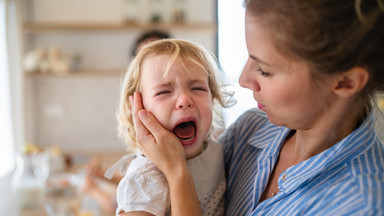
(262,72)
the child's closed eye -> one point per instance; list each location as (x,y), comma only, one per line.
(200,89)
(163,92)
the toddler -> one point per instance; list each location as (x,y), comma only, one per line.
(178,84)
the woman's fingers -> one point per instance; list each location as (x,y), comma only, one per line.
(148,129)
(153,126)
(145,139)
(162,147)
(136,106)
(143,135)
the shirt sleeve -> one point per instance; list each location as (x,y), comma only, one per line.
(143,188)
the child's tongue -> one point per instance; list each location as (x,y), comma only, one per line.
(185,130)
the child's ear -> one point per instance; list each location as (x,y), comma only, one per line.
(350,82)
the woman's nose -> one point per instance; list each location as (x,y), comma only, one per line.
(184,101)
(248,79)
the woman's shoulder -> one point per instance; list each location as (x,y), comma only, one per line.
(369,164)
(366,174)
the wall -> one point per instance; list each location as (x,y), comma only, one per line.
(75,113)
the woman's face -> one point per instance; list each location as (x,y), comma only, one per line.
(283,88)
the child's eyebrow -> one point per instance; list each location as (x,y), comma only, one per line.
(167,84)
(198,81)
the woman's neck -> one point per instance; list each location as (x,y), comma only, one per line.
(338,124)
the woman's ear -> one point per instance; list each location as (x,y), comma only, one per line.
(350,82)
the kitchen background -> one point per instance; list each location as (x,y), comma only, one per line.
(73,54)
(73,105)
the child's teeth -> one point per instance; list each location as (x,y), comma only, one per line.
(188,139)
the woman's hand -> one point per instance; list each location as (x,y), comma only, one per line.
(162,147)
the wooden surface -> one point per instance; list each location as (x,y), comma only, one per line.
(40,27)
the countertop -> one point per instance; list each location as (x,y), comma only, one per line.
(63,201)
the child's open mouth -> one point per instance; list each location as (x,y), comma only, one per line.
(186,132)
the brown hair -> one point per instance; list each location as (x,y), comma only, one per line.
(332,36)
(175,49)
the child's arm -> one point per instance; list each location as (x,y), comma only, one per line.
(166,152)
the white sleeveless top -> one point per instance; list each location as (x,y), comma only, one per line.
(145,188)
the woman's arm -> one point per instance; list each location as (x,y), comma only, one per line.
(165,150)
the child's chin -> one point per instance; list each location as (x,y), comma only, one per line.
(191,153)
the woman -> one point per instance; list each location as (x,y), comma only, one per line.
(310,149)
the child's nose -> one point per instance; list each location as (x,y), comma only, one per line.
(184,101)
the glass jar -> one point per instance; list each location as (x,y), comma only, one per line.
(29,180)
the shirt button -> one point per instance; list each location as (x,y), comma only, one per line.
(284,177)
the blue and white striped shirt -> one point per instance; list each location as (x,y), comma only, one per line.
(346,179)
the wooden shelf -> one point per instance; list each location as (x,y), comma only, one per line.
(44,27)
(93,73)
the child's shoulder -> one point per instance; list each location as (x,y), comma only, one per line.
(141,165)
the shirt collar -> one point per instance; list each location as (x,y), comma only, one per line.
(270,137)
(356,143)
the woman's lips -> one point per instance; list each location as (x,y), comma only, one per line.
(261,106)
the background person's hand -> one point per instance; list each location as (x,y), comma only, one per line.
(94,169)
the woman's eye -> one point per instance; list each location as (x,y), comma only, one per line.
(263,73)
